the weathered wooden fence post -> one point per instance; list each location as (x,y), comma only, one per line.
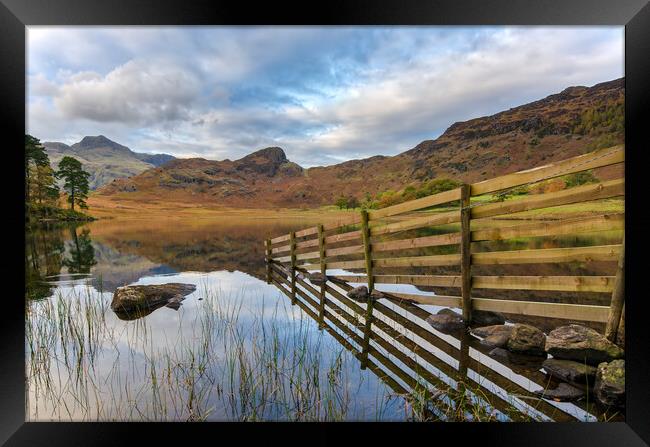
(620,334)
(367,251)
(292,242)
(618,297)
(323,270)
(466,253)
(267,243)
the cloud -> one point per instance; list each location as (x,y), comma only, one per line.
(324,94)
(138,92)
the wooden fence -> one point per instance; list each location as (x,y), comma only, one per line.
(380,243)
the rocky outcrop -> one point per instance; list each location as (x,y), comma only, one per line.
(132,299)
(446,320)
(496,336)
(570,371)
(610,383)
(526,339)
(582,344)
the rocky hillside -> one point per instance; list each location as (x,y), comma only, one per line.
(575,121)
(104,159)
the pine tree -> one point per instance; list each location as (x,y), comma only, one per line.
(43,185)
(75,181)
(35,156)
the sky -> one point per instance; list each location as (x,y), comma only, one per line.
(323,94)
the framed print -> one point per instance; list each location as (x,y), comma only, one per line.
(366,219)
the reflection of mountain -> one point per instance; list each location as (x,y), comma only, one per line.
(115,269)
(130,249)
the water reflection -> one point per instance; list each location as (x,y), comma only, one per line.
(457,377)
(227,352)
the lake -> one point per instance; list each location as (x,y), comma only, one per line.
(237,349)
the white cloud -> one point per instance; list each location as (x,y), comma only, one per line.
(138,92)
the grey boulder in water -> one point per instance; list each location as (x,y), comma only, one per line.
(138,298)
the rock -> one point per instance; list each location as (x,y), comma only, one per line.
(446,320)
(359,294)
(487,318)
(526,339)
(519,363)
(317,278)
(495,336)
(562,393)
(610,383)
(582,344)
(570,371)
(137,298)
(175,302)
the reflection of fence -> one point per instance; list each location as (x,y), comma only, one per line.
(397,345)
(374,241)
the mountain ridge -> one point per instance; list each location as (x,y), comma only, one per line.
(104,159)
(574,121)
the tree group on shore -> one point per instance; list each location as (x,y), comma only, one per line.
(42,194)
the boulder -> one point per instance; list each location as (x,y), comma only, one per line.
(519,363)
(317,278)
(446,320)
(130,299)
(610,383)
(526,339)
(570,371)
(562,393)
(486,318)
(582,344)
(175,302)
(496,336)
(359,294)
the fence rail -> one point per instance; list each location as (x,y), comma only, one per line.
(380,244)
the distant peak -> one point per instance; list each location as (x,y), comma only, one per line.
(99,141)
(272,154)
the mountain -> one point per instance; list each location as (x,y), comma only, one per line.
(104,159)
(574,121)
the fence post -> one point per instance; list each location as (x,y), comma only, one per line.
(323,270)
(620,334)
(292,242)
(465,253)
(267,243)
(618,297)
(365,235)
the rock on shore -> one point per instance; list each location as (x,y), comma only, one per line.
(582,344)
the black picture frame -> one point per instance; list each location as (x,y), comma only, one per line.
(15,15)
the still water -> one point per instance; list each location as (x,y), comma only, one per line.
(235,350)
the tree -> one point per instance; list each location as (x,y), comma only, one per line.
(352,202)
(75,181)
(579,178)
(341,202)
(43,185)
(35,156)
